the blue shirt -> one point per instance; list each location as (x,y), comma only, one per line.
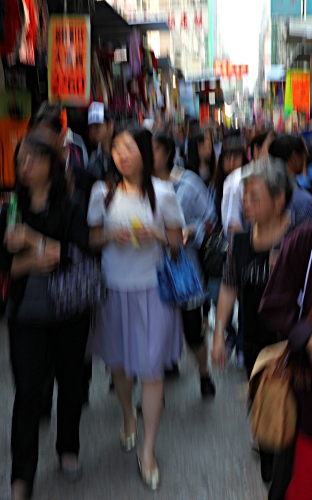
(198,208)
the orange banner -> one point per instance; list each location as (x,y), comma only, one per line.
(301,92)
(69,60)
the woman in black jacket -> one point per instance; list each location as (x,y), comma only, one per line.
(31,251)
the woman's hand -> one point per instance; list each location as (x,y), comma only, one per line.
(121,237)
(21,237)
(188,232)
(218,350)
(49,259)
(145,236)
(15,239)
(29,260)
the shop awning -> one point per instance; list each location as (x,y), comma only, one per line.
(299,29)
(107,26)
(164,62)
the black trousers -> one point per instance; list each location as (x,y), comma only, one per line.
(282,473)
(192,326)
(29,349)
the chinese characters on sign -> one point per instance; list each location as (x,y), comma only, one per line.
(224,68)
(69,60)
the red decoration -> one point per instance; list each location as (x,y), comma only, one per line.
(198,19)
(195,18)
(184,23)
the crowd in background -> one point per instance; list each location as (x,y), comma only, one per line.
(142,190)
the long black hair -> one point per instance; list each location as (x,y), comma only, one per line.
(168,144)
(143,139)
(193,155)
(220,175)
(58,193)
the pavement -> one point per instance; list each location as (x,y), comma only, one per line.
(203,449)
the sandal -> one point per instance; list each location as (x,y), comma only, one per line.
(128,443)
(151,478)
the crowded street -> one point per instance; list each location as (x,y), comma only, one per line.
(203,447)
(155,250)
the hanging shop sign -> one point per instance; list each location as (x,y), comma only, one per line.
(297,94)
(225,69)
(301,92)
(69,60)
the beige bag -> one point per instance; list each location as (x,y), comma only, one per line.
(274,407)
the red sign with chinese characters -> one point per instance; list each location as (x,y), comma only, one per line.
(69,60)
(224,68)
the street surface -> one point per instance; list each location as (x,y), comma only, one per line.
(203,447)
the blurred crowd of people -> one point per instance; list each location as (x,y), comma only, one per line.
(142,190)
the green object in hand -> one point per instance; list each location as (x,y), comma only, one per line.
(13,212)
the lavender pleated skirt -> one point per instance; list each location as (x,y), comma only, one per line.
(136,332)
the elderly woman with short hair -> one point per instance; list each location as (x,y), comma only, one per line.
(267,191)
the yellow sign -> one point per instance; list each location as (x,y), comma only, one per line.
(69,60)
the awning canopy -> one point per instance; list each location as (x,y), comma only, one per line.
(107,26)
(299,29)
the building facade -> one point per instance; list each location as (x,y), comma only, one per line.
(191,42)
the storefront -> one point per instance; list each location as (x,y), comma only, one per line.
(72,52)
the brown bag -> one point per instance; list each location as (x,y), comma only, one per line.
(274,407)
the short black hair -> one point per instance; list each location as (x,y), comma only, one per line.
(258,140)
(50,114)
(285,145)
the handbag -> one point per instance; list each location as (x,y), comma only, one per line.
(212,254)
(274,409)
(78,286)
(177,279)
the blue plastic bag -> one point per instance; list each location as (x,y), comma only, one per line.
(177,279)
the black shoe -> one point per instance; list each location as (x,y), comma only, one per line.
(207,386)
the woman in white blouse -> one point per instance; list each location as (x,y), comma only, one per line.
(132,217)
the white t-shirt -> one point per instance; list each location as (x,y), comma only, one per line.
(126,268)
(231,205)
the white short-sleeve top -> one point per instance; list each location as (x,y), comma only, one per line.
(126,268)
